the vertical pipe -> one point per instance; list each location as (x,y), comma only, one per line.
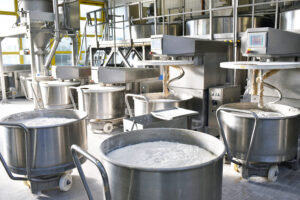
(155,17)
(169,18)
(183,19)
(163,21)
(96,32)
(140,11)
(114,30)
(57,35)
(3,86)
(144,52)
(74,50)
(276,15)
(210,20)
(123,27)
(33,67)
(252,16)
(235,20)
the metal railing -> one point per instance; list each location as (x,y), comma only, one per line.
(164,19)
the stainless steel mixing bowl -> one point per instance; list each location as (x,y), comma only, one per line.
(201,181)
(49,145)
(276,138)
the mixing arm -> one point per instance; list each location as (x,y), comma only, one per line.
(177,77)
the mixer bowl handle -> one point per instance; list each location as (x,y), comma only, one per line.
(27,150)
(72,97)
(133,96)
(253,135)
(75,150)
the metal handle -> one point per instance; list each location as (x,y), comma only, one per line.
(72,97)
(23,82)
(253,135)
(83,99)
(75,150)
(127,101)
(36,96)
(27,153)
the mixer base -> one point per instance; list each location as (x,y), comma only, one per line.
(62,181)
(263,170)
(105,125)
(268,170)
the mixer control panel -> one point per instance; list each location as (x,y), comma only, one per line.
(264,42)
(256,43)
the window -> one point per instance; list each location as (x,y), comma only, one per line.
(10,46)
(7,5)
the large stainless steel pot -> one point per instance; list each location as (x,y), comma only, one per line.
(223,25)
(49,146)
(148,102)
(289,21)
(102,102)
(56,94)
(146,30)
(195,182)
(276,138)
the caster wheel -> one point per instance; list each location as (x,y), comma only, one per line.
(108,128)
(273,173)
(65,182)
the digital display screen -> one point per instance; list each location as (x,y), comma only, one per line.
(257,40)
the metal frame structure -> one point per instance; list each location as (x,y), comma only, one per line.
(234,36)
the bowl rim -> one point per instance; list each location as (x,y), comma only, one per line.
(164,169)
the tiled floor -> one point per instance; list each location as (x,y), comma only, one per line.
(234,188)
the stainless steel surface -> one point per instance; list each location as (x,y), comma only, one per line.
(289,21)
(186,46)
(157,101)
(197,27)
(207,73)
(6,81)
(146,30)
(27,87)
(202,181)
(150,86)
(70,72)
(265,42)
(36,5)
(198,103)
(56,94)
(148,121)
(126,75)
(70,15)
(219,96)
(287,81)
(102,102)
(16,67)
(169,45)
(50,146)
(276,137)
